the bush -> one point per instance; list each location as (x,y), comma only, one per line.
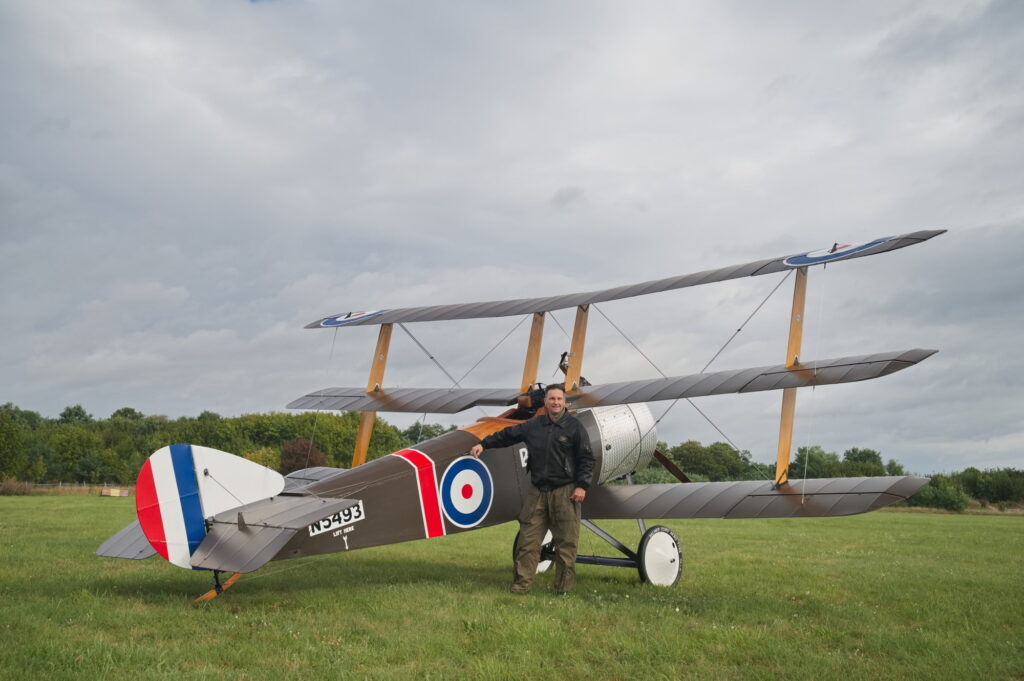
(299,454)
(940,492)
(11,487)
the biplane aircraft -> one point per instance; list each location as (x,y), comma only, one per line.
(200,508)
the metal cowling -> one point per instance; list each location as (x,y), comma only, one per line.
(623,438)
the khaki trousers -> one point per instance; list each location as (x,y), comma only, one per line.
(543,511)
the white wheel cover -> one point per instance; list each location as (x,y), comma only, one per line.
(661,560)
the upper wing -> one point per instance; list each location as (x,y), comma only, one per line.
(520,306)
(750,499)
(451,401)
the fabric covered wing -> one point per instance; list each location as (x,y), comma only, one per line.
(523,306)
(411,400)
(441,401)
(750,499)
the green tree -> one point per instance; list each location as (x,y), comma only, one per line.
(942,491)
(859,462)
(813,462)
(421,432)
(76,453)
(128,413)
(265,456)
(13,438)
(75,414)
(715,462)
(894,467)
(29,419)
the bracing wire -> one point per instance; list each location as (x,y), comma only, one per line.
(455,383)
(495,347)
(562,329)
(745,321)
(558,324)
(691,403)
(316,414)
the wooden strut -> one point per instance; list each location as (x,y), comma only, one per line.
(796,331)
(367,418)
(575,358)
(533,352)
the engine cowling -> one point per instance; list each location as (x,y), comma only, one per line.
(623,438)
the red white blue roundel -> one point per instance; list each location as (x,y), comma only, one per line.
(349,317)
(837,252)
(466,492)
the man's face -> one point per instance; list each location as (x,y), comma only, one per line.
(554,401)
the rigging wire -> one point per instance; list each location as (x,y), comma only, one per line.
(486,354)
(751,316)
(558,324)
(562,329)
(688,400)
(316,414)
(455,383)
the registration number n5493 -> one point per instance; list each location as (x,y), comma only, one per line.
(350,515)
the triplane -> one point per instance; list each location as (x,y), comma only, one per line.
(201,508)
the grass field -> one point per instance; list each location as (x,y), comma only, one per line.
(881,596)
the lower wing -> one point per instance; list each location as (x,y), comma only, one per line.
(750,499)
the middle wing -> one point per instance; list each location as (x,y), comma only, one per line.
(454,400)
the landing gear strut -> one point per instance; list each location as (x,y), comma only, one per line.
(658,559)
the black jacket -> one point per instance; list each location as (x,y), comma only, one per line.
(558,451)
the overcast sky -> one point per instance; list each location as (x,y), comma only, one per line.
(184,185)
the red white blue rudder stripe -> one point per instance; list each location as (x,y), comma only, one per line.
(182,485)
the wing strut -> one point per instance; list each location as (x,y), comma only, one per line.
(366,419)
(575,357)
(533,352)
(796,332)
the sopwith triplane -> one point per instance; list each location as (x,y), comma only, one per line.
(200,508)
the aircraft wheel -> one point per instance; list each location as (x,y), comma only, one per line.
(547,552)
(661,560)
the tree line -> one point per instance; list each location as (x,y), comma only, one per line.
(76,447)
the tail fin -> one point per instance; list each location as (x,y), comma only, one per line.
(180,486)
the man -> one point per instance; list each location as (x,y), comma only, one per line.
(561,466)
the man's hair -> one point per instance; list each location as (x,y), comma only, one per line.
(554,386)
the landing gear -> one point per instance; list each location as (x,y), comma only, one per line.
(547,552)
(659,557)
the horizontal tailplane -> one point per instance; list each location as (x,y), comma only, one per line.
(246,538)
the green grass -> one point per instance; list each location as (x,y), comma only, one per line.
(880,596)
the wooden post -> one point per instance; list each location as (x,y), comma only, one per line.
(796,332)
(533,352)
(575,358)
(367,418)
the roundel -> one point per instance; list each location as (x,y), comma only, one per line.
(349,318)
(837,252)
(466,492)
